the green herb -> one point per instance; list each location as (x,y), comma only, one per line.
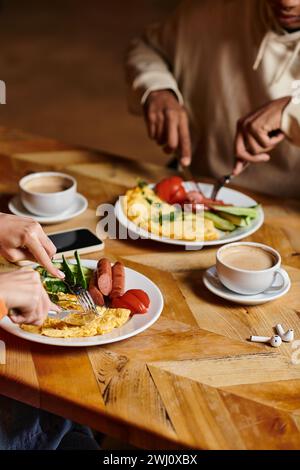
(141,184)
(170,217)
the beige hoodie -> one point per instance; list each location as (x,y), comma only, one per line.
(223,59)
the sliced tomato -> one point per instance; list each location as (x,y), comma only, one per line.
(142,295)
(133,300)
(171,190)
(179,197)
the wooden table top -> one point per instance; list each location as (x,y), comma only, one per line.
(190,381)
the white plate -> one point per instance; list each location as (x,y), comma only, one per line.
(136,324)
(213,284)
(79,206)
(228,195)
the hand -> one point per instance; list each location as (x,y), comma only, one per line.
(258,133)
(22,238)
(23,291)
(168,124)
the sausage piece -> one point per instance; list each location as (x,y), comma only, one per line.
(104,276)
(94,291)
(118,280)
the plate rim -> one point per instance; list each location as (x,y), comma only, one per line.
(82,342)
(144,234)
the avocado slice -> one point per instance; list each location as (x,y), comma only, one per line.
(219,222)
(239,211)
(237,220)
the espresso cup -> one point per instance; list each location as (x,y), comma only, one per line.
(47,193)
(247,281)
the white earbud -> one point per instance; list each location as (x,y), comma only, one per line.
(274,341)
(287,336)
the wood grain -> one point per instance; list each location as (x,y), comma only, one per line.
(192,380)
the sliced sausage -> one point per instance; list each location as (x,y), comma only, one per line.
(118,280)
(104,276)
(94,291)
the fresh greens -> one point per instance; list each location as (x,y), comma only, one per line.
(75,274)
(80,279)
(70,276)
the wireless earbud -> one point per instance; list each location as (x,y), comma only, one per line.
(287,336)
(275,341)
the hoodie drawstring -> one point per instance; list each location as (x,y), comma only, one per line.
(261,51)
(286,64)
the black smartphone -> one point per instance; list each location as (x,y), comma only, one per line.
(81,239)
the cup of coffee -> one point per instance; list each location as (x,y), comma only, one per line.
(247,268)
(47,193)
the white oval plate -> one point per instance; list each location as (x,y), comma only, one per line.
(78,207)
(212,282)
(228,195)
(136,324)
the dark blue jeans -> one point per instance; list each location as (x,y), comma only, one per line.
(23,427)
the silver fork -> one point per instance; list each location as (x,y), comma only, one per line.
(84,297)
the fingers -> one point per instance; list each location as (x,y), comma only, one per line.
(14,255)
(185,141)
(33,304)
(54,307)
(167,123)
(238,168)
(242,152)
(35,247)
(160,128)
(172,131)
(151,124)
(47,244)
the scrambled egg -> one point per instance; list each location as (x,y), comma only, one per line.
(143,207)
(74,325)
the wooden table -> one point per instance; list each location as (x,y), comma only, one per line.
(191,380)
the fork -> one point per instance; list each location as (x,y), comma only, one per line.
(84,298)
(223,181)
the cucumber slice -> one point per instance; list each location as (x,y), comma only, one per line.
(219,222)
(239,211)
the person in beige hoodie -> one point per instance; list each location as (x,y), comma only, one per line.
(219,84)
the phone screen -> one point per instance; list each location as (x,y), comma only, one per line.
(74,240)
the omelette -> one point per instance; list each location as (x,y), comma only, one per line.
(143,207)
(74,326)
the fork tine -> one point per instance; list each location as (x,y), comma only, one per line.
(82,302)
(87,299)
(90,301)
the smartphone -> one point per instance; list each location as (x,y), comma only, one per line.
(81,239)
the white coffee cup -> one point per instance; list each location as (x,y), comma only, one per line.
(243,281)
(47,193)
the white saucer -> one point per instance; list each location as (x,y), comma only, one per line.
(212,282)
(80,204)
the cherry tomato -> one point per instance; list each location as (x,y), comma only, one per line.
(179,197)
(171,190)
(136,300)
(142,295)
